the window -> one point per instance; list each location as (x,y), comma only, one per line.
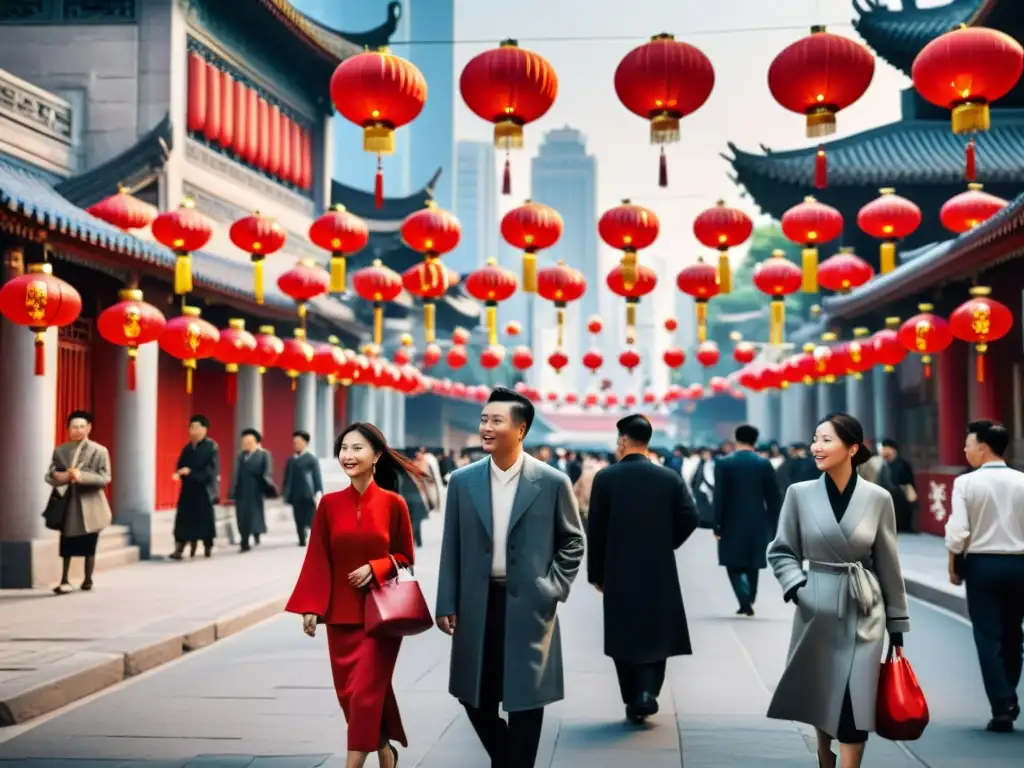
(67,11)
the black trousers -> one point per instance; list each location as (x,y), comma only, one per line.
(744,584)
(638,679)
(995,602)
(513,744)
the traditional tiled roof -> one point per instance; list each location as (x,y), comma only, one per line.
(394,210)
(329,44)
(378,37)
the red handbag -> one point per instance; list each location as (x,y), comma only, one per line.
(901,712)
(397,607)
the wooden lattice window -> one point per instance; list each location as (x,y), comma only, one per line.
(67,11)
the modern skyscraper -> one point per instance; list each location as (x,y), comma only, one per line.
(564,176)
(476,205)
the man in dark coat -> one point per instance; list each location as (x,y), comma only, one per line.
(640,513)
(251,483)
(303,484)
(199,474)
(747,505)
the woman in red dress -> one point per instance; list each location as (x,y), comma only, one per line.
(357,536)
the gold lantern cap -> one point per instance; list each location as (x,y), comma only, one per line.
(979,291)
(818,29)
(861,332)
(309,263)
(237,323)
(847,249)
(892,322)
(735,336)
(300,333)
(130,294)
(188,202)
(509,42)
(829,336)
(778,253)
(887,191)
(339,208)
(925,307)
(267,330)
(810,199)
(808,347)
(663,36)
(333,340)
(975,186)
(627,201)
(41,268)
(191,311)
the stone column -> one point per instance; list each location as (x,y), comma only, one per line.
(28,412)
(757,410)
(370,409)
(859,404)
(824,400)
(134,470)
(773,417)
(249,405)
(384,413)
(884,394)
(324,419)
(952,403)
(796,414)
(400,438)
(305,406)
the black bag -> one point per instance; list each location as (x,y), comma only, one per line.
(56,508)
(269,488)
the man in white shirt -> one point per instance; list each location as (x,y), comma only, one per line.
(512,546)
(985,539)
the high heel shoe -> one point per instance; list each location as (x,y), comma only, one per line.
(394,754)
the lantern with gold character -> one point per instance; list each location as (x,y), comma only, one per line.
(979,321)
(131,323)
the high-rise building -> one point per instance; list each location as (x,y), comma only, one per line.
(564,176)
(476,205)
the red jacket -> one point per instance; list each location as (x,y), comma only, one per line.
(349,531)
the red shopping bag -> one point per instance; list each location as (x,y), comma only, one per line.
(397,607)
(901,713)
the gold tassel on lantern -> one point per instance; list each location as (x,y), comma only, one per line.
(190,366)
(429,321)
(630,321)
(777,322)
(808,349)
(724,273)
(702,321)
(378,323)
(530,272)
(971,117)
(183,273)
(492,323)
(257,276)
(560,315)
(887,257)
(337,272)
(628,268)
(809,257)
(979,362)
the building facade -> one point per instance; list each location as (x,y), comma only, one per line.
(476,205)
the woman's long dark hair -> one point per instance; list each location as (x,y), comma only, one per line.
(390,466)
(851,433)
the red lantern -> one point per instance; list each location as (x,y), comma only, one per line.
(531,227)
(512,328)
(644,280)
(889,352)
(663,81)
(777,277)
(431,355)
(492,356)
(824,359)
(927,334)
(802,367)
(700,281)
(744,352)
(457,357)
(629,359)
(38,300)
(723,228)
(594,325)
(343,234)
(750,378)
(591,400)
(510,87)
(235,347)
(560,284)
(817,76)
(259,236)
(979,321)
(491,284)
(696,391)
(377,284)
(810,224)
(964,71)
(433,232)
(963,212)
(297,356)
(123,210)
(629,400)
(889,218)
(303,283)
(558,360)
(182,230)
(861,352)
(674,357)
(707,354)
(268,348)
(844,272)
(330,359)
(522,358)
(190,339)
(650,398)
(629,228)
(593,360)
(718,384)
(379,92)
(671,324)
(131,323)
(460,336)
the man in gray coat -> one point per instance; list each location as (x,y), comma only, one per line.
(513,543)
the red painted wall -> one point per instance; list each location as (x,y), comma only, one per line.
(103,358)
(278,419)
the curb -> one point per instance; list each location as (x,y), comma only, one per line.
(941,595)
(114,660)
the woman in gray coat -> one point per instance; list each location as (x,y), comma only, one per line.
(251,484)
(850,596)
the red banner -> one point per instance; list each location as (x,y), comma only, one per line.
(935,496)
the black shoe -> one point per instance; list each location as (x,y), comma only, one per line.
(1000,724)
(640,710)
(1015,711)
(394,753)
(745,612)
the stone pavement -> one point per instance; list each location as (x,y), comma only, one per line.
(925,569)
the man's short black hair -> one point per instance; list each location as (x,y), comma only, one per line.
(254,432)
(84,415)
(304,435)
(520,406)
(746,434)
(198,418)
(635,427)
(890,443)
(990,433)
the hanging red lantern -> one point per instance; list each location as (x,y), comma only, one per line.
(379,92)
(432,232)
(594,325)
(963,212)
(663,81)
(671,324)
(611,400)
(343,234)
(861,353)
(744,352)
(38,300)
(718,384)
(457,357)
(492,285)
(531,227)
(259,236)
(377,284)
(810,224)
(644,280)
(460,335)
(772,378)
(630,400)
(824,359)
(591,400)
(629,228)
(979,321)
(750,378)
(674,357)
(558,360)
(183,231)
(560,284)
(421,280)
(888,350)
(123,210)
(696,391)
(510,87)
(926,334)
(700,281)
(964,71)
(777,277)
(297,356)
(268,348)
(629,359)
(593,360)
(492,356)
(190,339)
(330,360)
(303,283)
(722,228)
(522,358)
(431,355)
(707,354)
(844,272)
(650,398)
(235,347)
(512,328)
(889,218)
(131,323)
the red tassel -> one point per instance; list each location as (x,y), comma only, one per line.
(970,162)
(928,369)
(378,187)
(662,170)
(506,181)
(130,373)
(232,388)
(821,168)
(293,384)
(40,367)
(980,367)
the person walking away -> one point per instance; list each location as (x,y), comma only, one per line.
(359,537)
(640,513)
(702,487)
(303,484)
(985,539)
(898,476)
(199,474)
(851,595)
(515,518)
(747,501)
(80,472)
(251,483)
(584,484)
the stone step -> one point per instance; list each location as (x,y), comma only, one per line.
(113,550)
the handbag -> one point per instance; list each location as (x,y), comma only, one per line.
(397,607)
(901,712)
(57,504)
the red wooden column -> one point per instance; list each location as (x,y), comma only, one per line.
(952,403)
(986,393)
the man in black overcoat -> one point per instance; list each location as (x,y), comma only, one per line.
(198,471)
(747,505)
(640,513)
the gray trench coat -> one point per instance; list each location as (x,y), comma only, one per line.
(545,549)
(88,510)
(853,593)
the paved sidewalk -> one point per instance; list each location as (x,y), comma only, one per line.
(925,570)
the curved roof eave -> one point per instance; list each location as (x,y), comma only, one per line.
(395,209)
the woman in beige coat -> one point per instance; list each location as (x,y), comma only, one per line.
(80,469)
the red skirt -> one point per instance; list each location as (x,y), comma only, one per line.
(362,667)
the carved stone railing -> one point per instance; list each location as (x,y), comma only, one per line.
(35,108)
